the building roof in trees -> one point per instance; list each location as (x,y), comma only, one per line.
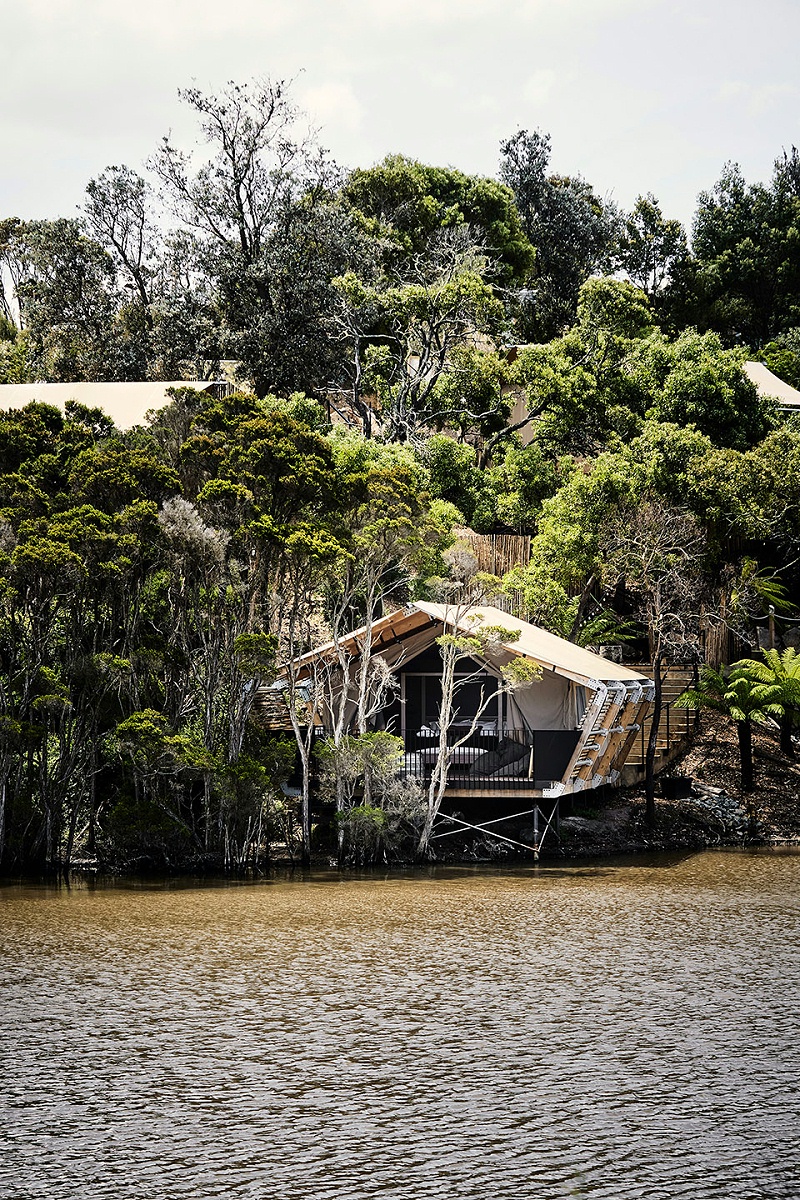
(537,644)
(403,634)
(770,385)
(127,404)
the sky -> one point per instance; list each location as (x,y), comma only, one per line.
(637,95)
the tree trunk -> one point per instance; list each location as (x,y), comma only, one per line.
(652,743)
(745,733)
(91,844)
(206,810)
(438,783)
(583,606)
(305,853)
(3,789)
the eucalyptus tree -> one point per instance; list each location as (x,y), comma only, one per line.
(657,553)
(419,328)
(266,228)
(651,246)
(66,294)
(10,269)
(559,585)
(405,203)
(119,212)
(222,660)
(782,355)
(576,389)
(14,351)
(43,577)
(168,322)
(314,688)
(466,637)
(393,537)
(743,277)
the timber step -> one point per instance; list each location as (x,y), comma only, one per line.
(676,723)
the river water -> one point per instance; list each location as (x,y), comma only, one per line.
(620,1030)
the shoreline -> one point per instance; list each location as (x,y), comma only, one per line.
(716,815)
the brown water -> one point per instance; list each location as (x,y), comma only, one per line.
(619,1031)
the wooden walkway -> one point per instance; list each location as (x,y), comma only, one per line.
(675,727)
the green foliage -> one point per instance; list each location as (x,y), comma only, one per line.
(605,628)
(780,669)
(734,691)
(521,482)
(565,552)
(574,234)
(694,381)
(651,247)
(255,653)
(15,364)
(456,477)
(782,356)
(404,203)
(409,342)
(376,809)
(611,315)
(139,831)
(65,291)
(743,279)
(469,393)
(560,395)
(268,262)
(377,754)
(739,693)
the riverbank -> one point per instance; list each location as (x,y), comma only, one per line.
(712,812)
(715,813)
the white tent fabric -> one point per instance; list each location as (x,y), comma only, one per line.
(553,702)
(126,404)
(770,385)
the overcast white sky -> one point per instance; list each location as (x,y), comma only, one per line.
(638,95)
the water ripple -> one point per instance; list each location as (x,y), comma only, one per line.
(621,1033)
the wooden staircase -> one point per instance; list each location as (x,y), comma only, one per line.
(675,726)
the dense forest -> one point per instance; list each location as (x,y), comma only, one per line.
(412,350)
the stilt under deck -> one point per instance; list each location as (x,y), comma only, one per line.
(544,818)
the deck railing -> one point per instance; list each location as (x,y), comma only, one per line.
(487,759)
(675,727)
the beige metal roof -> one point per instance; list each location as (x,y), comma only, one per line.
(770,385)
(545,648)
(126,404)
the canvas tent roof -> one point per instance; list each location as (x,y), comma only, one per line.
(770,385)
(538,644)
(400,635)
(126,404)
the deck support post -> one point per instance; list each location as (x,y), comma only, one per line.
(536,812)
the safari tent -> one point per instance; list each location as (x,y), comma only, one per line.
(568,731)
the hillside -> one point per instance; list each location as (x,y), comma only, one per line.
(716,814)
